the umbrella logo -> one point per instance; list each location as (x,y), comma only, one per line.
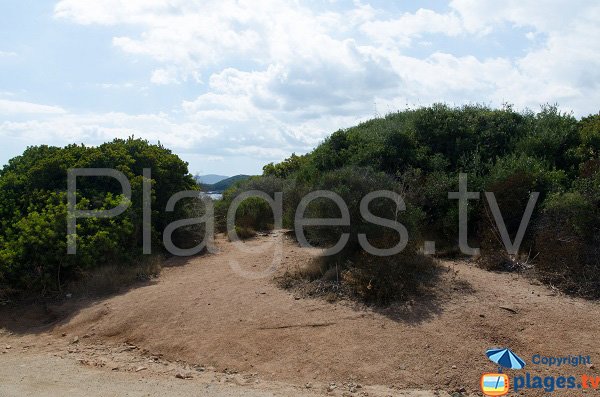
(505,358)
(497,384)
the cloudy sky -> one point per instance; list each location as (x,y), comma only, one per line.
(232,85)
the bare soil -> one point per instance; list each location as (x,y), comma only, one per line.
(229,331)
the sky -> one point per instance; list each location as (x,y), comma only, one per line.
(232,85)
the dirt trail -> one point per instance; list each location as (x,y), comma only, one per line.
(203,312)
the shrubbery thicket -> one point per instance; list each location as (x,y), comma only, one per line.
(420,154)
(33,210)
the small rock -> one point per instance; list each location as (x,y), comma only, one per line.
(308,385)
(591,366)
(183,376)
(138,369)
(454,367)
(63,334)
(75,340)
(331,388)
(8,347)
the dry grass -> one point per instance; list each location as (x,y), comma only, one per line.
(111,279)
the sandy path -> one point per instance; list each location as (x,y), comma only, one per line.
(204,313)
(44,376)
(45,366)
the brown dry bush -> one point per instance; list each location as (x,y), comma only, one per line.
(569,246)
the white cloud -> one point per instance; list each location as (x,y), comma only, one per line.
(279,75)
(163,77)
(483,16)
(402,30)
(97,128)
(10,107)
(7,54)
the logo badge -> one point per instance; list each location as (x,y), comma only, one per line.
(494,384)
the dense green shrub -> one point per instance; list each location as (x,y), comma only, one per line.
(386,279)
(373,278)
(512,194)
(352,184)
(550,135)
(509,153)
(286,168)
(33,210)
(568,241)
(589,136)
(253,213)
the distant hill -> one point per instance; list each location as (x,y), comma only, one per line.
(209,179)
(224,184)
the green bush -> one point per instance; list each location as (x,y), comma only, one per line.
(369,277)
(254,212)
(352,184)
(245,232)
(33,210)
(549,137)
(568,241)
(383,280)
(504,151)
(512,194)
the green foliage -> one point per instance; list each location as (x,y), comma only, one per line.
(372,278)
(352,184)
(423,150)
(512,192)
(33,210)
(286,168)
(253,213)
(589,137)
(549,137)
(567,238)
